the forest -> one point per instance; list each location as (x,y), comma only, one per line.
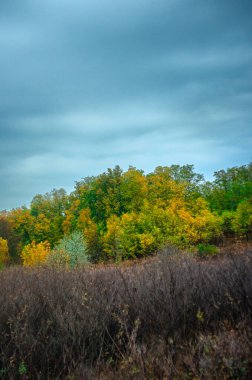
(118,216)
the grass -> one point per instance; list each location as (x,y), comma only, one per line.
(172,317)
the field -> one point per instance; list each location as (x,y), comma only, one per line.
(169,317)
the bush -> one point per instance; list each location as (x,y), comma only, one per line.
(71,251)
(58,259)
(167,317)
(207,250)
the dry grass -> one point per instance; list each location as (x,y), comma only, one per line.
(170,317)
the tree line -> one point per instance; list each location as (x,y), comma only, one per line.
(120,215)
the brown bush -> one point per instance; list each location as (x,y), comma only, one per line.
(149,320)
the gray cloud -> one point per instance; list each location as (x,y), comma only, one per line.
(88,85)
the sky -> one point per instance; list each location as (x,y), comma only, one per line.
(86,85)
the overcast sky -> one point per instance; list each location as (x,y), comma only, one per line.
(86,85)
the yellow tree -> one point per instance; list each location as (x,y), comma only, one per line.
(162,188)
(134,189)
(35,254)
(112,238)
(22,222)
(4,251)
(71,217)
(91,234)
(191,225)
(42,230)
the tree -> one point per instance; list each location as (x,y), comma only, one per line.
(42,229)
(162,188)
(134,190)
(4,252)
(227,222)
(91,233)
(35,254)
(22,223)
(112,239)
(185,174)
(230,188)
(242,221)
(71,250)
(8,233)
(49,213)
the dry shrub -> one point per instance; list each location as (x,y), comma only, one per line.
(152,320)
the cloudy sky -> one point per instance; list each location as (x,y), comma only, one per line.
(88,84)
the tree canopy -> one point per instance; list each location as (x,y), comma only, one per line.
(132,214)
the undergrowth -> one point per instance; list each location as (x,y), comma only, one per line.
(174,317)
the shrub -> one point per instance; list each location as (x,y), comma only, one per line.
(169,310)
(71,250)
(58,258)
(207,250)
(35,254)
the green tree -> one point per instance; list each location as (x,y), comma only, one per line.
(49,211)
(134,190)
(70,250)
(186,175)
(242,222)
(102,195)
(229,188)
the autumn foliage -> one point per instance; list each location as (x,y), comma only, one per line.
(35,254)
(4,251)
(171,315)
(124,215)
